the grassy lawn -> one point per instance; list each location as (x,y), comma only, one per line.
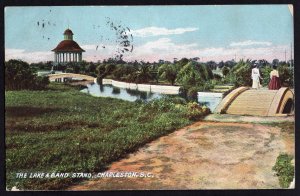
(63,130)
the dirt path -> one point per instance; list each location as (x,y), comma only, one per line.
(205,155)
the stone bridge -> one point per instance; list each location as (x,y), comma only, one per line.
(262,102)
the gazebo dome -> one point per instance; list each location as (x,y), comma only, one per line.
(68,32)
(68,46)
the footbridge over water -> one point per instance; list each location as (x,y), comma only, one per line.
(63,77)
(262,102)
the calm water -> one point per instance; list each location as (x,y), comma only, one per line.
(211,100)
(119,93)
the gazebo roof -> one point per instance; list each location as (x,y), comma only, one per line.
(68,32)
(68,46)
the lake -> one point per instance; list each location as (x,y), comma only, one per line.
(108,90)
(211,100)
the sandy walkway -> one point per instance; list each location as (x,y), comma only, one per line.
(205,155)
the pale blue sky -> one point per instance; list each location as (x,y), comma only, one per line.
(211,31)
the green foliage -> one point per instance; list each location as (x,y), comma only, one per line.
(265,74)
(194,74)
(69,70)
(286,75)
(142,75)
(193,110)
(217,77)
(168,72)
(240,75)
(182,62)
(225,70)
(41,66)
(192,93)
(103,70)
(18,76)
(284,170)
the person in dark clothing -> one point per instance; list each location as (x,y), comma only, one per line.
(274,83)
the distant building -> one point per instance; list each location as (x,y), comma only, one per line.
(67,50)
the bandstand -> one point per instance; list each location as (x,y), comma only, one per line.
(67,51)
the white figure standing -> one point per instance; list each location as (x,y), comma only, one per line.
(255,75)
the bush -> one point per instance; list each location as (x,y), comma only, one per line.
(40,83)
(192,94)
(284,170)
(192,110)
(195,111)
(69,70)
(286,75)
(18,76)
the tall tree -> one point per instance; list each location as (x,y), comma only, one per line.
(168,72)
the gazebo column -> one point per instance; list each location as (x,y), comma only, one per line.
(70,57)
(80,57)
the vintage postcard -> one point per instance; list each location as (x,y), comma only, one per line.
(149,97)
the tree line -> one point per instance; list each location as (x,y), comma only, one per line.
(191,75)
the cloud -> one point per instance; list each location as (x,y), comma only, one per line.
(30,57)
(162,48)
(166,49)
(156,31)
(250,43)
(89,47)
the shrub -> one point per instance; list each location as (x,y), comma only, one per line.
(192,93)
(284,170)
(69,70)
(193,111)
(286,75)
(18,76)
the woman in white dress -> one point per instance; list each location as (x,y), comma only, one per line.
(255,75)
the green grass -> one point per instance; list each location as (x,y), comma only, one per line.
(63,130)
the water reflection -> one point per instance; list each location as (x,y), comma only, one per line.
(120,93)
(211,100)
(101,88)
(115,90)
